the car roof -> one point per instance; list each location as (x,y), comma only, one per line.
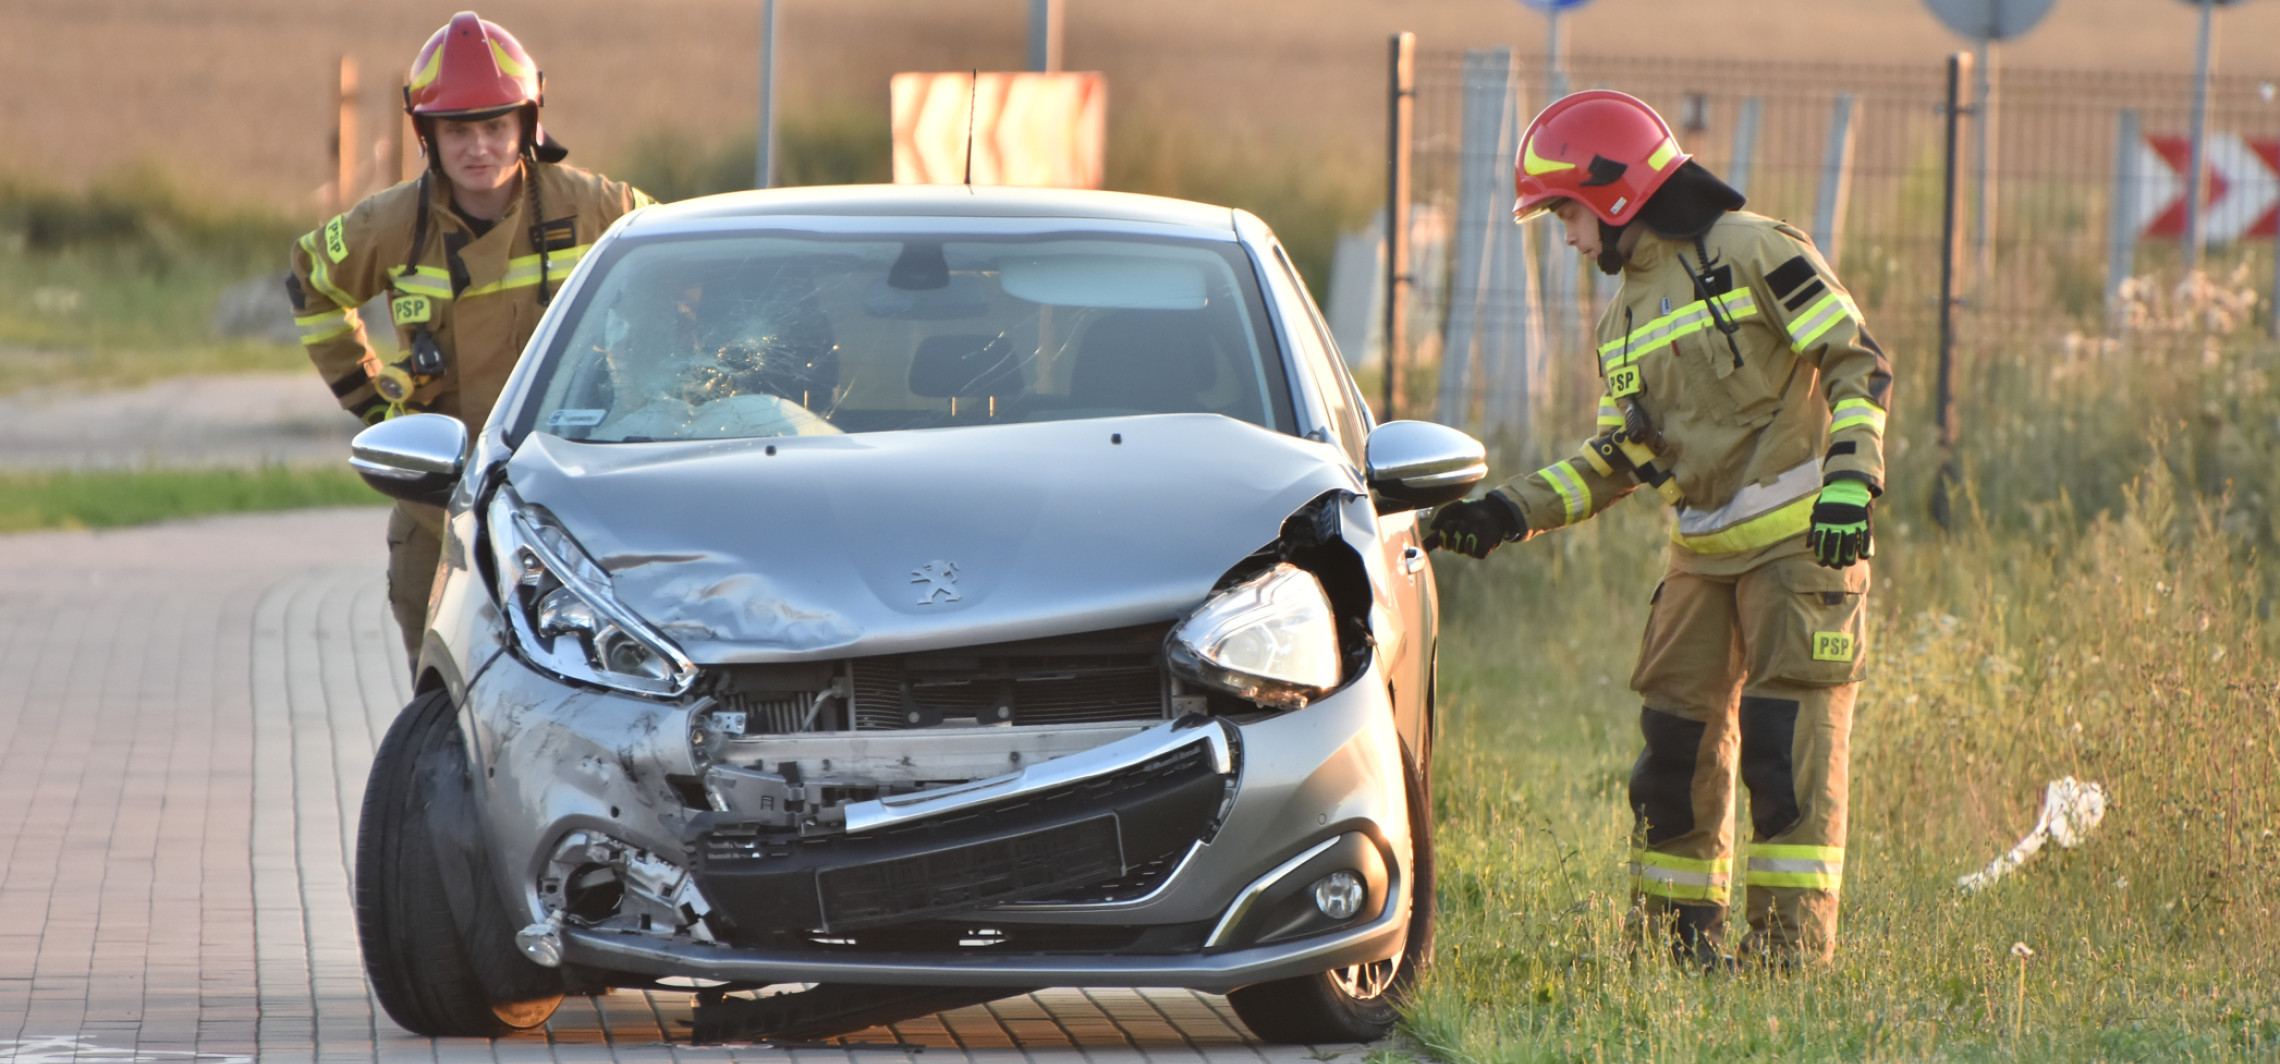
(939,201)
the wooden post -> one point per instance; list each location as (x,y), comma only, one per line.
(346,154)
(1402,104)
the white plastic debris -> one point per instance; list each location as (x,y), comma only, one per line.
(2071,809)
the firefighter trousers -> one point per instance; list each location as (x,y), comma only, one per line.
(1753,675)
(415,548)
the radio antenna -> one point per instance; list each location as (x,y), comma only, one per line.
(973,95)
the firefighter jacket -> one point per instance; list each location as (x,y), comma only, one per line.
(477,296)
(1748,431)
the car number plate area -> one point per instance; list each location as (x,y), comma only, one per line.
(962,877)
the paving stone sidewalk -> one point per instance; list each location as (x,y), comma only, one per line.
(187,714)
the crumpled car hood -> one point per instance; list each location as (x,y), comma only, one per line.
(813,547)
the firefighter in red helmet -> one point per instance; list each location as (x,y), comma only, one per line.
(1742,385)
(468,254)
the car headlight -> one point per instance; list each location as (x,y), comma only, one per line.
(1271,639)
(565,619)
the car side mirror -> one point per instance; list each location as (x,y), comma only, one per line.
(1416,464)
(416,458)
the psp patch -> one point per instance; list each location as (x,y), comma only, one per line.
(1832,646)
(336,239)
(411,310)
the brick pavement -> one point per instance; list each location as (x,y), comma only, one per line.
(187,713)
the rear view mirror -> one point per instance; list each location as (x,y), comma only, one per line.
(416,458)
(1416,464)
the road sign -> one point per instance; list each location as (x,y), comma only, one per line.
(1989,20)
(1040,130)
(2244,187)
(1550,6)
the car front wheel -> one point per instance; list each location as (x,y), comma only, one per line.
(436,971)
(1357,1003)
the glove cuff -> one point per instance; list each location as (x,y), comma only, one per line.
(1508,514)
(1847,492)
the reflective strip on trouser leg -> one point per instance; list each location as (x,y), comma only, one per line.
(1816,867)
(1660,875)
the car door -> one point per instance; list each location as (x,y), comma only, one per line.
(1409,656)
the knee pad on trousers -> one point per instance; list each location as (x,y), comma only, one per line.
(1662,782)
(1769,731)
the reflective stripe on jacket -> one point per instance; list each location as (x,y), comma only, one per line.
(477,295)
(1749,440)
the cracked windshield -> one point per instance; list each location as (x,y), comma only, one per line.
(797,335)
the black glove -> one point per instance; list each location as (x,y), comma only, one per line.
(1840,536)
(1473,527)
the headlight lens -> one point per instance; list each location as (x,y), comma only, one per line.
(1271,639)
(565,619)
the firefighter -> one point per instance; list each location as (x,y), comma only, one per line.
(469,254)
(1743,387)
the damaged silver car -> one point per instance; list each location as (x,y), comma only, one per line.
(922,595)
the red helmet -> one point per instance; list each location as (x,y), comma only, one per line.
(1601,148)
(471,68)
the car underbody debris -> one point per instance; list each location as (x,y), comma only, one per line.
(828,1009)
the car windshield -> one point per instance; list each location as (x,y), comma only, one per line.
(779,334)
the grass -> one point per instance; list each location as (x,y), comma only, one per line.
(32,501)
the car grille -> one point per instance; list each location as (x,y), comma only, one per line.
(885,891)
(1095,677)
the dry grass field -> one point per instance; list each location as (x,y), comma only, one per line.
(231,95)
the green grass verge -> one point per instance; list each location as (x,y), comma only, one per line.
(2126,650)
(31,501)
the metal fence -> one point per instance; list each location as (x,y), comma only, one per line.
(2076,190)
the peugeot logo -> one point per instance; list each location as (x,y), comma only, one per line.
(940,578)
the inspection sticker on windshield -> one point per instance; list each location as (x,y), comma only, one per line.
(575,418)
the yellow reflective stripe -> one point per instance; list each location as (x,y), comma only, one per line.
(426,74)
(1537,165)
(423,281)
(1609,414)
(1822,317)
(1680,878)
(1850,412)
(318,328)
(1662,155)
(1685,321)
(1756,532)
(1574,497)
(512,69)
(522,272)
(320,275)
(1812,867)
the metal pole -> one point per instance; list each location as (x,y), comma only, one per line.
(1745,145)
(1402,102)
(764,167)
(2122,219)
(1836,179)
(1045,35)
(2193,179)
(1555,55)
(1959,66)
(1983,163)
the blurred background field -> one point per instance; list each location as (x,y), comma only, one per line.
(2102,609)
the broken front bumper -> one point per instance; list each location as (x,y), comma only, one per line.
(1205,834)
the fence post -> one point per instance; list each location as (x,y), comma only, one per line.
(346,154)
(1836,179)
(1401,107)
(2122,219)
(1487,95)
(1745,145)
(1959,66)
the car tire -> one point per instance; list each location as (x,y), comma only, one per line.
(1357,1004)
(433,975)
